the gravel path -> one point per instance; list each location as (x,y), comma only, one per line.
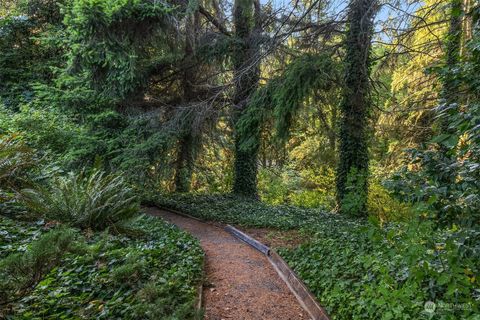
(241,283)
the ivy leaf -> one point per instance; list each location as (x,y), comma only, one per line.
(451,142)
(440,138)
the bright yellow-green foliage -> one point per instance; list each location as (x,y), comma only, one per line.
(307,189)
(313,189)
(414,89)
(411,84)
(382,205)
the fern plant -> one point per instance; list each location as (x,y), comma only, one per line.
(96,201)
(15,161)
(15,158)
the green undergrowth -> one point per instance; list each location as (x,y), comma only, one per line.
(50,271)
(368,272)
(240,211)
(358,269)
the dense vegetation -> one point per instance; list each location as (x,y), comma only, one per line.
(54,272)
(234,210)
(75,246)
(357,269)
(357,123)
(362,272)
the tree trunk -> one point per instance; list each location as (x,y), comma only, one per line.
(352,172)
(452,58)
(246,75)
(187,141)
(332,135)
(185,161)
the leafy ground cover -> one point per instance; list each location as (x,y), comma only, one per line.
(233,210)
(149,273)
(365,272)
(359,270)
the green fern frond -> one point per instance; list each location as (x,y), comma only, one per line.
(96,201)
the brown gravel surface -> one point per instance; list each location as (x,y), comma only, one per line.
(241,284)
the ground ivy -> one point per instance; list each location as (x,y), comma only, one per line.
(152,275)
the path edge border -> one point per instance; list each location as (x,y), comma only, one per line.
(199,297)
(248,239)
(306,299)
(301,292)
(186,215)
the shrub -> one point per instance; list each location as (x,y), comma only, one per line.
(318,190)
(448,187)
(386,208)
(312,199)
(16,167)
(15,159)
(20,271)
(307,189)
(97,200)
(44,128)
(271,186)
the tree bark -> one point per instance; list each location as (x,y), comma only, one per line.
(352,172)
(452,58)
(246,75)
(185,163)
(187,142)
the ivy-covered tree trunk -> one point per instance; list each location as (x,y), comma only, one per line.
(187,143)
(246,76)
(450,90)
(352,172)
(185,162)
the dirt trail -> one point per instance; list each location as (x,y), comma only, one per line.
(243,284)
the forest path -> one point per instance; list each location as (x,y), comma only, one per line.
(242,284)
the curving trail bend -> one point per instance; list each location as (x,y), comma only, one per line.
(242,284)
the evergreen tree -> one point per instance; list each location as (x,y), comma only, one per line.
(187,140)
(246,74)
(352,172)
